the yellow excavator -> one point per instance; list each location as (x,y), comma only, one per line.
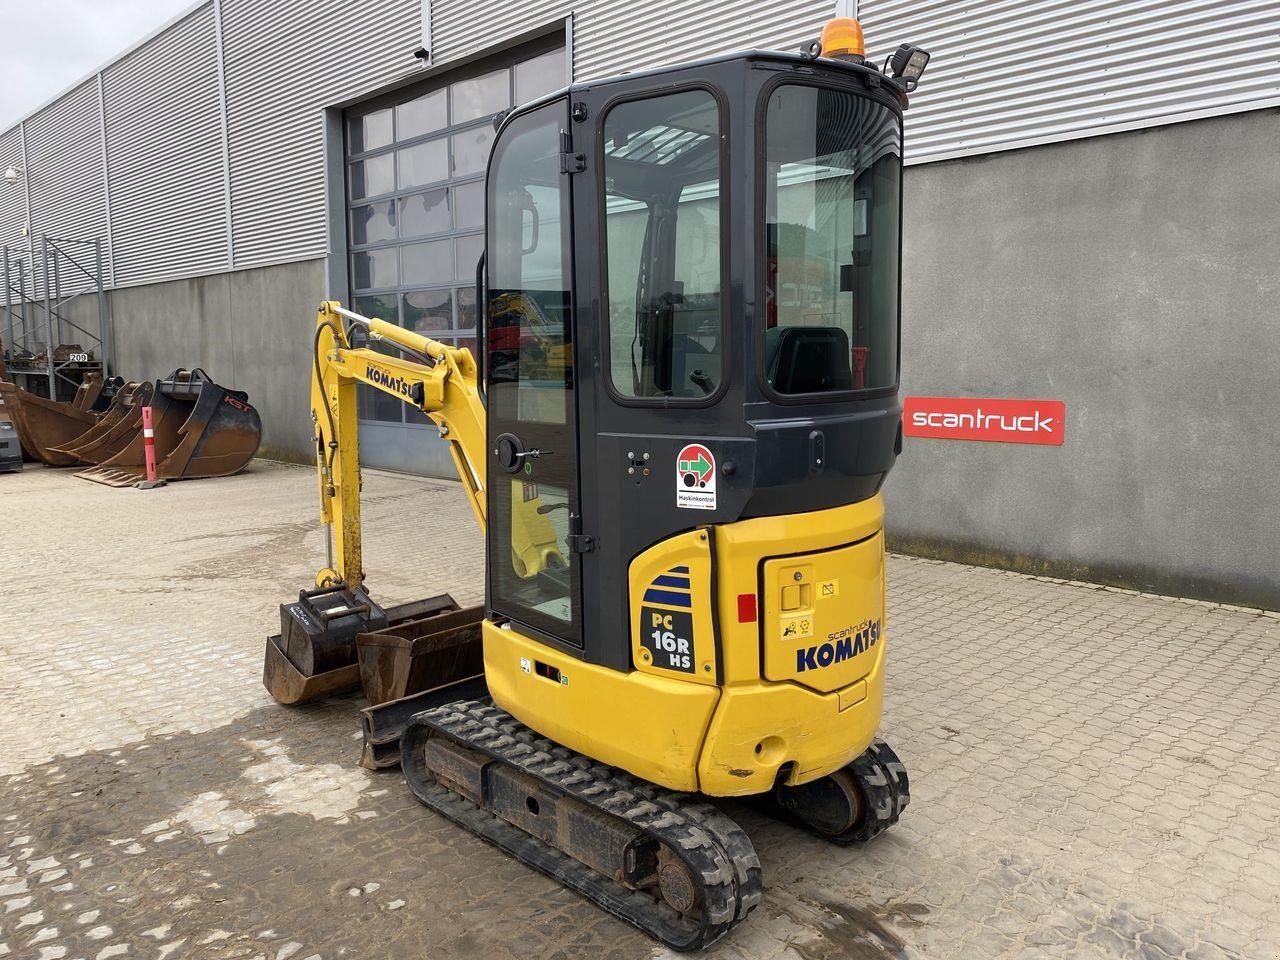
(674,441)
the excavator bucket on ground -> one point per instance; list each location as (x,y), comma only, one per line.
(44,425)
(105,394)
(89,393)
(406,658)
(335,638)
(201,429)
(118,425)
(409,667)
(383,724)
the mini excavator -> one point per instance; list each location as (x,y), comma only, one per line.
(674,438)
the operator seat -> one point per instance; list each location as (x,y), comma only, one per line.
(807,359)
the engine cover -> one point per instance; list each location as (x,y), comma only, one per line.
(823,616)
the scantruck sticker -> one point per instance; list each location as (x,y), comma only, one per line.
(696,478)
(985,418)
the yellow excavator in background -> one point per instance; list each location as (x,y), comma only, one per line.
(676,471)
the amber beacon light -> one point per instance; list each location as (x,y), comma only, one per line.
(842,40)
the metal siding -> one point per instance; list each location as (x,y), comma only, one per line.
(611,36)
(1004,74)
(13,201)
(164,155)
(64,166)
(285,62)
(463,28)
(1013,73)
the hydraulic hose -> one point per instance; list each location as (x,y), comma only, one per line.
(333,433)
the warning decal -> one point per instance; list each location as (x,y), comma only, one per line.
(696,478)
(797,628)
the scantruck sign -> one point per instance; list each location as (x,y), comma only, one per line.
(985,418)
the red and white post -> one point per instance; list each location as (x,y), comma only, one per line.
(149,450)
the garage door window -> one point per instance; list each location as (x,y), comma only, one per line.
(415,197)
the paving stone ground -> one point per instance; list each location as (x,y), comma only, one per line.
(1095,774)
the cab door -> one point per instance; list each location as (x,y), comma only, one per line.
(533,496)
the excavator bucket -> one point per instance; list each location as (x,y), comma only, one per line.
(118,425)
(220,434)
(409,667)
(88,392)
(403,659)
(323,646)
(106,395)
(44,425)
(201,429)
(383,724)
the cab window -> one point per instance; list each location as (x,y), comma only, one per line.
(662,213)
(832,171)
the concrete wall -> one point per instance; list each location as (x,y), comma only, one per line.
(250,330)
(1136,277)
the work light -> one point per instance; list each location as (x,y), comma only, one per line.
(908,64)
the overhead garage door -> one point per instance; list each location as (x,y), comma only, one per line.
(415,165)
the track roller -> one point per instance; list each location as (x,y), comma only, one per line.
(676,868)
(856,803)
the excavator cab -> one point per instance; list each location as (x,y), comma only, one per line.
(706,263)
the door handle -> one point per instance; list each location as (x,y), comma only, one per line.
(511,454)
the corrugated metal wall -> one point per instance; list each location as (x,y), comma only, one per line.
(164,155)
(64,163)
(611,35)
(1004,74)
(285,62)
(13,200)
(194,190)
(1011,73)
(460,28)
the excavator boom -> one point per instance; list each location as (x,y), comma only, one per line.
(436,378)
(318,651)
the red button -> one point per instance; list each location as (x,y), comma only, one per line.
(746,608)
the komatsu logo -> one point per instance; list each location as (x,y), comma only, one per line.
(840,646)
(385,379)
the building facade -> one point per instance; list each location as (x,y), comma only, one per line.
(1090,217)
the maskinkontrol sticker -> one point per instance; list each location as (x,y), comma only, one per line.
(696,478)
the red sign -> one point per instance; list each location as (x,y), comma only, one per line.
(984,418)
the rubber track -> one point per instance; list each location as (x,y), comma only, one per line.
(716,851)
(886,790)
